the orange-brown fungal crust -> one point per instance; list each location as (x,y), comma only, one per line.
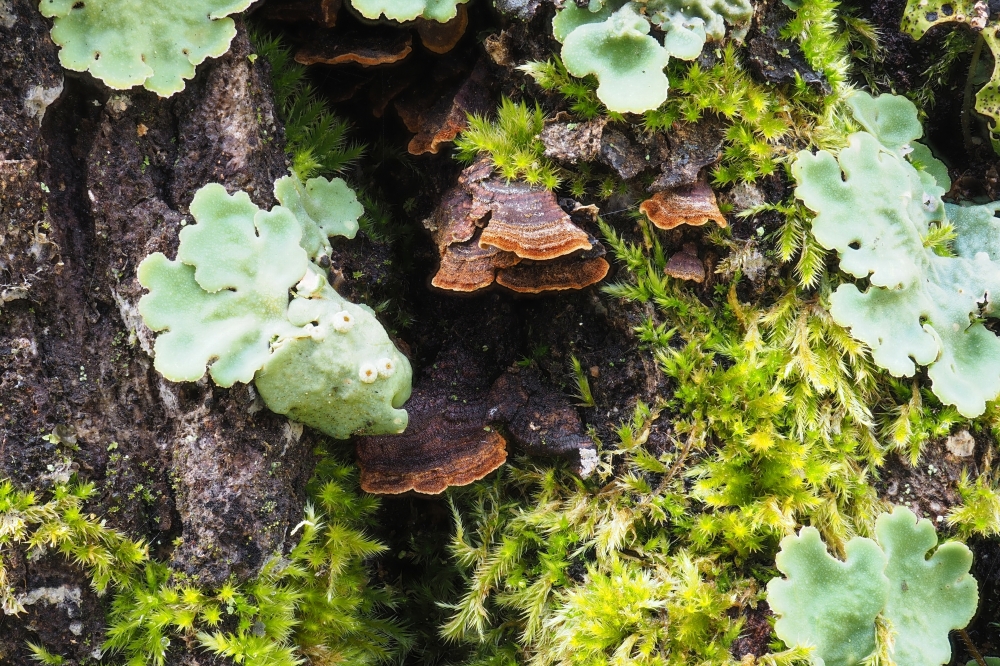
(323,12)
(526,220)
(694,205)
(469,267)
(364,49)
(442,37)
(534,278)
(486,225)
(447,442)
(685,265)
(451,442)
(440,122)
(437,450)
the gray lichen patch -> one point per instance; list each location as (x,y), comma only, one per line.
(7,17)
(39,98)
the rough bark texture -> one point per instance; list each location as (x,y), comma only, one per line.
(85,194)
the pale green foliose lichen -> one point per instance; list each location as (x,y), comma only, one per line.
(324,208)
(832,605)
(224,303)
(153,43)
(877,210)
(610,39)
(441,11)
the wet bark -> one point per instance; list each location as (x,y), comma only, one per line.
(88,187)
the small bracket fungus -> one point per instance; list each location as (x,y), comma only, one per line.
(611,40)
(876,209)
(153,43)
(358,48)
(833,605)
(224,303)
(437,118)
(694,205)
(407,10)
(685,265)
(489,229)
(452,442)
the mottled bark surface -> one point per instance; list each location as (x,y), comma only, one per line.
(212,479)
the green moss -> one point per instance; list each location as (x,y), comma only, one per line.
(315,137)
(315,601)
(511,142)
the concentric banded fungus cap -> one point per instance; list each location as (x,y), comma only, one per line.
(444,445)
(469,267)
(685,265)
(365,49)
(527,221)
(442,37)
(575,271)
(694,205)
(524,240)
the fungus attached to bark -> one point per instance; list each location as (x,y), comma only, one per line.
(527,242)
(452,442)
(439,121)
(574,271)
(365,49)
(442,37)
(694,205)
(469,267)
(323,12)
(445,445)
(685,265)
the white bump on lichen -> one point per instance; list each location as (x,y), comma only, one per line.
(309,284)
(39,98)
(343,321)
(386,367)
(368,373)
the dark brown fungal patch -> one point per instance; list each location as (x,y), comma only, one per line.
(438,123)
(571,272)
(442,37)
(685,265)
(469,267)
(367,49)
(322,12)
(461,422)
(694,205)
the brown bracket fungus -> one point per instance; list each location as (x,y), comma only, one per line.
(576,271)
(367,49)
(490,229)
(453,442)
(693,205)
(442,37)
(469,267)
(437,119)
(685,265)
(323,12)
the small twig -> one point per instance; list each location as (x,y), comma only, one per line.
(972,648)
